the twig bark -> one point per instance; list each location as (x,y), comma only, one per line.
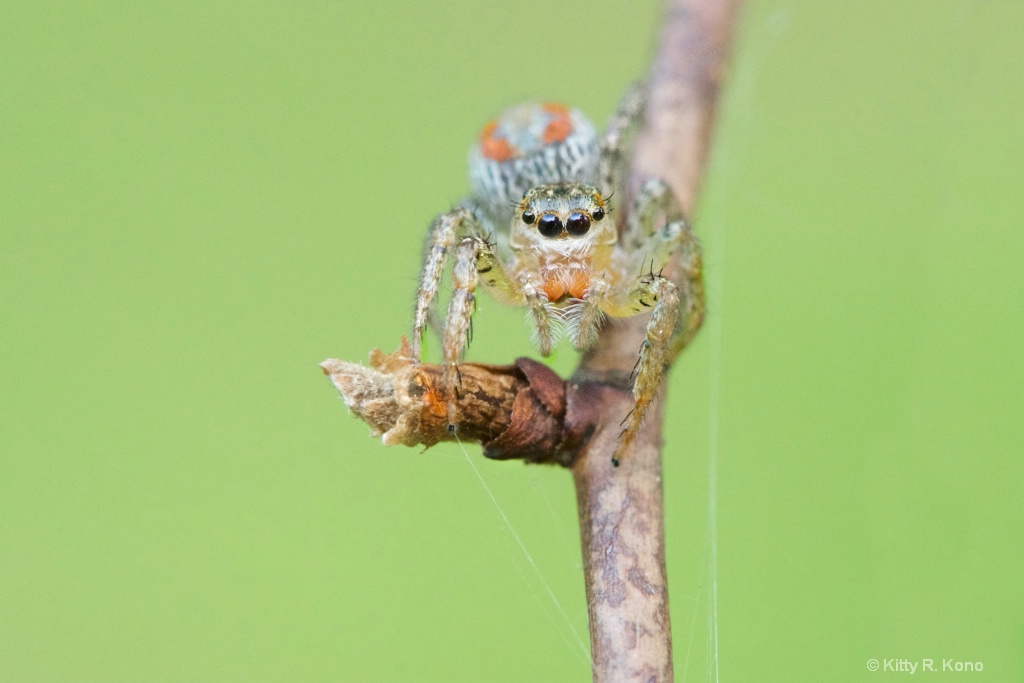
(621,511)
(525,411)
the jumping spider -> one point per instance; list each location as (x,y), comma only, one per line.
(539,233)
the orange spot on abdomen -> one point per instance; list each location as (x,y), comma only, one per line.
(560,126)
(495,148)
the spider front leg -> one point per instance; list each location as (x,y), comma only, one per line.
(656,293)
(443,233)
(475,260)
(665,338)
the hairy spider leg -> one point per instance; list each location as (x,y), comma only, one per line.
(693,303)
(458,323)
(445,230)
(664,339)
(661,296)
(542,313)
(615,145)
(475,261)
(656,246)
(655,205)
(587,315)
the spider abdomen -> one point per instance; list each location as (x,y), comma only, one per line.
(530,145)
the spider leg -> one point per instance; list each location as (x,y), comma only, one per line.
(665,337)
(657,246)
(458,325)
(541,313)
(494,277)
(615,143)
(443,233)
(655,205)
(586,316)
(661,296)
(476,262)
(694,303)
(676,238)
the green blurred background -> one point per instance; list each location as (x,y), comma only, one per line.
(201,201)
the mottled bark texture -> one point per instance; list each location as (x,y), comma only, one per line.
(525,411)
(621,510)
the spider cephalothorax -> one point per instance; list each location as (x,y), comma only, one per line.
(538,232)
(564,229)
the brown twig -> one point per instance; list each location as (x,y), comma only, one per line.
(621,511)
(525,411)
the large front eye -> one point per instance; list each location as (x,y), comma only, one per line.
(578,223)
(550,225)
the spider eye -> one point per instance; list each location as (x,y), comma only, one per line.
(529,217)
(597,213)
(550,225)
(578,223)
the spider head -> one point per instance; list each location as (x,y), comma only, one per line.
(567,217)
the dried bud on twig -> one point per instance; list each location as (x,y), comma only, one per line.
(522,411)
